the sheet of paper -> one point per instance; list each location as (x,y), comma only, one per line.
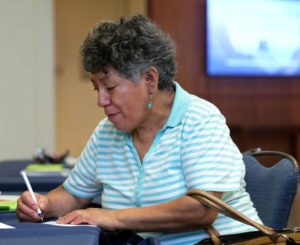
(5,226)
(9,197)
(68,225)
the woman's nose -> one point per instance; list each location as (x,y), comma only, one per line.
(103,98)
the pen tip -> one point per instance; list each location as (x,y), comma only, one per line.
(41,217)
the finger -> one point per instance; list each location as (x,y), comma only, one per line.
(25,208)
(23,217)
(73,221)
(28,200)
(79,220)
(42,202)
(83,217)
(27,216)
(68,218)
(43,206)
(25,212)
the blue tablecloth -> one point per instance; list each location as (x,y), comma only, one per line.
(43,234)
(12,181)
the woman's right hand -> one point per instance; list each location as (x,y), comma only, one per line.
(27,208)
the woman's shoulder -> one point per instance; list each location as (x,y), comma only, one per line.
(202,108)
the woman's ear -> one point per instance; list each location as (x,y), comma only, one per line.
(151,78)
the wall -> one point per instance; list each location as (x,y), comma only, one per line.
(77,113)
(37,111)
(261,112)
(26,77)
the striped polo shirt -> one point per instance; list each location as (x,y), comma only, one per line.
(192,150)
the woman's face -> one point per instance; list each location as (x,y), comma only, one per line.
(124,102)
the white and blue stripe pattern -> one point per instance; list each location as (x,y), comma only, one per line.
(193,150)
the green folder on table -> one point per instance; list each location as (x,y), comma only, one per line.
(8,205)
(46,170)
(45,167)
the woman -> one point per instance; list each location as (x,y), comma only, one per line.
(157,142)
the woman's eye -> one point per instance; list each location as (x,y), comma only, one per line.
(110,88)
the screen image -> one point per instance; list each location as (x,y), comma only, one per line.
(253,37)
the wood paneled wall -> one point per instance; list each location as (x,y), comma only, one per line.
(261,111)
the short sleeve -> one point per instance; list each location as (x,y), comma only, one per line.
(82,180)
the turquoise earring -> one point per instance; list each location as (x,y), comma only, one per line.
(150,102)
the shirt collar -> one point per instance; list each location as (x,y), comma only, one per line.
(180,104)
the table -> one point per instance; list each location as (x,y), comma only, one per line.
(39,233)
(12,181)
(45,234)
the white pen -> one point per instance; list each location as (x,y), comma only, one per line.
(23,173)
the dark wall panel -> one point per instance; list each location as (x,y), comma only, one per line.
(261,111)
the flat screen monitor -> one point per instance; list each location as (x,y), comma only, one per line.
(253,37)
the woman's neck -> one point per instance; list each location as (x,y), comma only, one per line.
(158,115)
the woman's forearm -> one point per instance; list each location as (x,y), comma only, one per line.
(184,213)
(60,202)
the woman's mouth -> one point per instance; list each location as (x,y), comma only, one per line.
(112,116)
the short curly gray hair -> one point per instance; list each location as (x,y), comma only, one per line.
(131,46)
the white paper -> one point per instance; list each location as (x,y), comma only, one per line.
(5,226)
(9,197)
(68,225)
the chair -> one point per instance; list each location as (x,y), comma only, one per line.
(272,189)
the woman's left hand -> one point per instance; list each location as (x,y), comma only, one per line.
(106,219)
